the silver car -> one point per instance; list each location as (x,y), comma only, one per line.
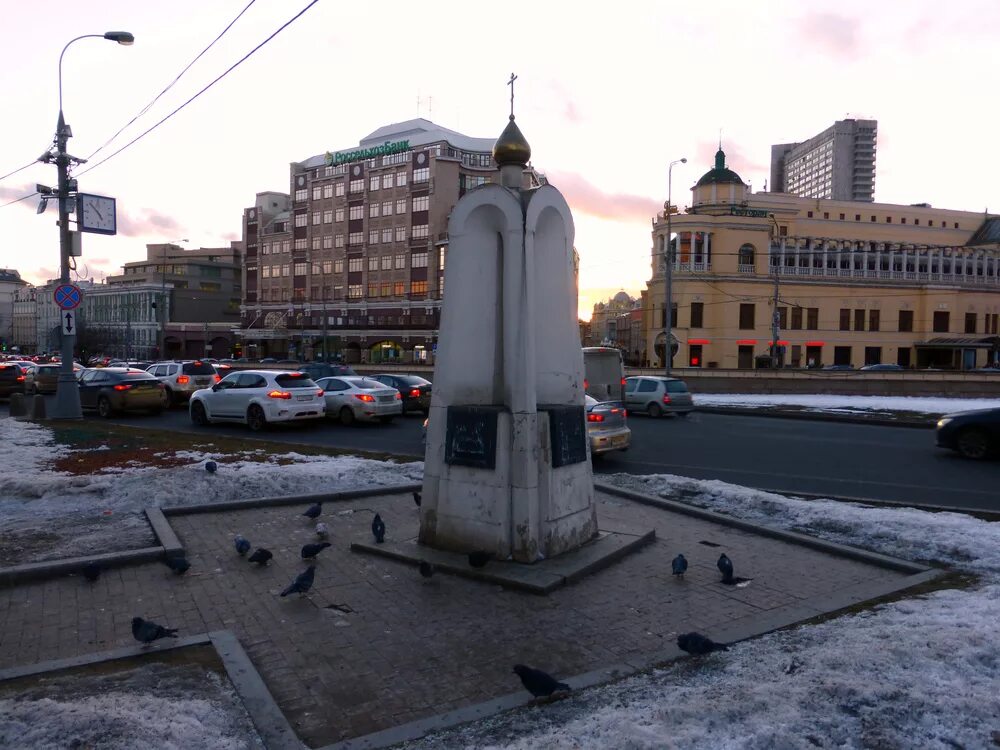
(656,395)
(607,427)
(350,398)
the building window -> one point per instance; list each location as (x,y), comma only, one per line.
(354,291)
(796,318)
(930,222)
(302,194)
(419,231)
(400,234)
(285,268)
(916,222)
(747,316)
(873,355)
(286,246)
(328,217)
(842,217)
(970,322)
(401,206)
(339,189)
(373,211)
(873,218)
(315,243)
(301,269)
(941,321)
(328,191)
(373,289)
(421,175)
(338,240)
(301,220)
(845,319)
(400,260)
(809,214)
(386,262)
(418,287)
(386,288)
(355,238)
(387,208)
(399,288)
(857,217)
(338,265)
(826,214)
(420,203)
(906,321)
(317,192)
(783,318)
(697,314)
(859,320)
(357,186)
(339,214)
(354,265)
(746,256)
(373,263)
(317,217)
(873,320)
(302,244)
(387,180)
(338,293)
(357,212)
(903,220)
(812,318)
(373,183)
(372,236)
(418,260)
(400,179)
(387,235)
(265,272)
(328,241)
(888,220)
(327,266)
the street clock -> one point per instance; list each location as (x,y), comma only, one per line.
(96,213)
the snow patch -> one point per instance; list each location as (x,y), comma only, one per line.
(824,402)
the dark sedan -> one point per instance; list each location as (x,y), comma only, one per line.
(416,390)
(973,434)
(11,379)
(114,389)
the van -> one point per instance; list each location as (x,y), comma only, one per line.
(603,373)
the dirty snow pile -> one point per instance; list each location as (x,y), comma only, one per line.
(45,514)
(919,672)
(153,706)
(847,404)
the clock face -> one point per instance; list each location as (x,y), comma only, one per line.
(96,213)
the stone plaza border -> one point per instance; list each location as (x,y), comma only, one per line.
(271,725)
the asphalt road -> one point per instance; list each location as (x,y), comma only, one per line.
(895,464)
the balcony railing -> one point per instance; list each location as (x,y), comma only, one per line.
(747,268)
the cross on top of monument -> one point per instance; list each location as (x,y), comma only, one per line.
(511,84)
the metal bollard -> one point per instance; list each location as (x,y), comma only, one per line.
(38,407)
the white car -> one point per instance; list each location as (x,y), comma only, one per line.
(181,379)
(356,398)
(258,398)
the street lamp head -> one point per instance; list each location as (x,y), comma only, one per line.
(122,37)
(684,160)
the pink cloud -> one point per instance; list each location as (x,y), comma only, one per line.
(586,198)
(146,222)
(837,34)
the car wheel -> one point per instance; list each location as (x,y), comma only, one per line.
(256,420)
(104,407)
(198,414)
(346,416)
(166,398)
(973,443)
(654,410)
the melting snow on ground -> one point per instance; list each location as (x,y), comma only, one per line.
(922,672)
(45,514)
(822,402)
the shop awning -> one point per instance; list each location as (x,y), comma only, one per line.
(960,342)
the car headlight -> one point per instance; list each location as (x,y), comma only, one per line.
(943,421)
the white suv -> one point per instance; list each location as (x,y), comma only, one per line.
(257,398)
(181,379)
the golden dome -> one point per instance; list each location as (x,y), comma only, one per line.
(511,147)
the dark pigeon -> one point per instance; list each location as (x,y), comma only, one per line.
(241,544)
(313,511)
(698,644)
(260,556)
(426,569)
(537,682)
(311,550)
(378,529)
(417,499)
(91,571)
(679,565)
(147,631)
(479,558)
(725,566)
(211,467)
(179,565)
(302,583)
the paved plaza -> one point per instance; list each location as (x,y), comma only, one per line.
(375,646)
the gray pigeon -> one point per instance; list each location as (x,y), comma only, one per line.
(302,583)
(260,556)
(725,566)
(537,682)
(311,550)
(313,511)
(241,544)
(679,565)
(378,529)
(147,631)
(322,530)
(698,644)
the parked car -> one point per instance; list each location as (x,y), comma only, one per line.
(607,427)
(883,368)
(973,434)
(416,390)
(115,389)
(258,398)
(359,398)
(44,378)
(657,395)
(11,379)
(181,379)
(317,370)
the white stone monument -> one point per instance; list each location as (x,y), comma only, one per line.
(507,466)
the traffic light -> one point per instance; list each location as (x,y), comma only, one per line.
(3,345)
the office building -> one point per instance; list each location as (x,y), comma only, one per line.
(838,164)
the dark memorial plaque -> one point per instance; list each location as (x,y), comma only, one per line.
(568,431)
(471,436)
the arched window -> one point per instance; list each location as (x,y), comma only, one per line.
(747,255)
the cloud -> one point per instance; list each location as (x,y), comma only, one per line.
(588,199)
(146,222)
(837,34)
(8,194)
(231,236)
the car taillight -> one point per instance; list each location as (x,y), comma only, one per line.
(123,387)
(586,384)
(182,379)
(319,392)
(218,378)
(617,411)
(595,417)
(399,396)
(666,398)
(623,382)
(415,393)
(20,378)
(279,394)
(364,397)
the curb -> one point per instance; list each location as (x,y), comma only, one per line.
(816,417)
(16,574)
(984,513)
(261,502)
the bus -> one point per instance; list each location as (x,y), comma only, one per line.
(604,373)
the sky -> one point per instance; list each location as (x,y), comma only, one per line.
(606,100)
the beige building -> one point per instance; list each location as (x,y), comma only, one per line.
(856,283)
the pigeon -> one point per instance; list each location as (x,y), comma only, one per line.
(537,682)
(679,565)
(426,569)
(417,498)
(378,529)
(322,530)
(313,511)
(302,583)
(242,545)
(311,550)
(479,558)
(211,467)
(179,565)
(698,644)
(147,631)
(260,556)
(725,566)
(91,571)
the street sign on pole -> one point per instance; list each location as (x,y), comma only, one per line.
(68,318)
(67,296)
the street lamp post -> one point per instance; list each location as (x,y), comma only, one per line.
(668,271)
(67,405)
(161,313)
